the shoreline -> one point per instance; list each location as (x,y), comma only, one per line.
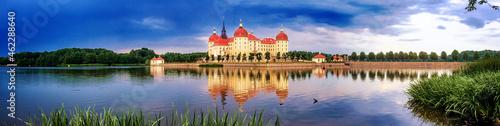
(355,65)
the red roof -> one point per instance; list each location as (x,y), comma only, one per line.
(213,38)
(335,57)
(221,42)
(159,58)
(282,36)
(154,58)
(251,37)
(231,39)
(241,32)
(268,41)
(340,57)
(319,56)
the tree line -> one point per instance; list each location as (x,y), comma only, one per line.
(422,56)
(94,56)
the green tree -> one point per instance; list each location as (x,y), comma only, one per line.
(244,56)
(476,55)
(401,55)
(232,58)
(454,55)
(380,56)
(259,56)
(238,57)
(390,55)
(487,55)
(89,58)
(371,56)
(278,56)
(219,57)
(212,57)
(423,55)
(252,56)
(354,56)
(362,56)
(207,57)
(268,56)
(285,55)
(465,56)
(434,56)
(471,6)
(227,57)
(337,55)
(443,55)
(497,54)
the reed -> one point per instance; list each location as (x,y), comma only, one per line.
(473,92)
(134,117)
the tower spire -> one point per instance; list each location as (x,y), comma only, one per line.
(241,24)
(281,28)
(223,32)
(214,30)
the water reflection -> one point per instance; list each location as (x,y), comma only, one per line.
(243,84)
(436,116)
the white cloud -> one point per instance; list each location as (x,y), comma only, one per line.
(154,23)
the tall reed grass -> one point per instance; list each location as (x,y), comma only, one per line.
(473,92)
(133,117)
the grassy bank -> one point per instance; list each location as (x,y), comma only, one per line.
(473,92)
(211,65)
(133,117)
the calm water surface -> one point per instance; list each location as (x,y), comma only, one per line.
(346,96)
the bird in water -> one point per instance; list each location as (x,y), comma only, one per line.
(315,100)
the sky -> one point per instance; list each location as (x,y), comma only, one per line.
(327,26)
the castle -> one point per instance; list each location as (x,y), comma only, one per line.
(244,43)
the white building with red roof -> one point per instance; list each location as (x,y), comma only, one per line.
(245,43)
(319,58)
(156,61)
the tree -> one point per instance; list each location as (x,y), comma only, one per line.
(278,56)
(413,55)
(434,56)
(354,56)
(227,57)
(389,55)
(380,56)
(371,56)
(476,55)
(259,56)
(268,56)
(89,58)
(212,57)
(497,54)
(238,57)
(401,55)
(471,6)
(219,57)
(362,56)
(207,57)
(423,55)
(443,55)
(454,55)
(337,59)
(251,57)
(487,55)
(232,57)
(465,56)
(285,56)
(244,56)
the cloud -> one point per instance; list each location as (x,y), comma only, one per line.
(473,22)
(154,23)
(441,27)
(409,40)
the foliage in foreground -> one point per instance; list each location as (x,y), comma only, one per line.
(133,117)
(473,92)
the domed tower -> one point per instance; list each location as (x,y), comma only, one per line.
(241,44)
(211,41)
(282,42)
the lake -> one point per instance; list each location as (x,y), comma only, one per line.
(345,96)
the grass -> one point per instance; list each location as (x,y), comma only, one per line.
(211,65)
(133,117)
(473,91)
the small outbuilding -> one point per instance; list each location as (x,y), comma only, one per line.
(319,58)
(157,61)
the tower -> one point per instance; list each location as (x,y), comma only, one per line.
(223,32)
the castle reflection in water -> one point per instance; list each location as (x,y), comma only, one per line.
(242,84)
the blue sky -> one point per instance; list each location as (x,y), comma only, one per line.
(330,26)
